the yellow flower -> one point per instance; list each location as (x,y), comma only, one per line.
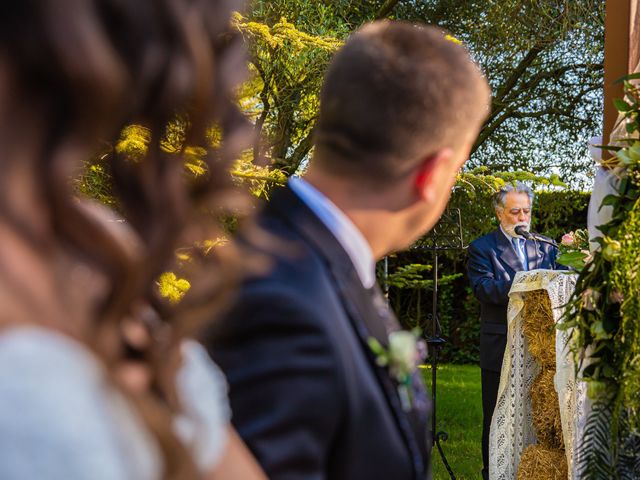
(172,287)
(453,39)
(134,142)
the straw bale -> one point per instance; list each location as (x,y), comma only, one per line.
(546,411)
(539,328)
(543,349)
(540,463)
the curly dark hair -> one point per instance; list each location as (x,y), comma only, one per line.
(72,75)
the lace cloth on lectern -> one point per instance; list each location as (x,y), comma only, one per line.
(512,424)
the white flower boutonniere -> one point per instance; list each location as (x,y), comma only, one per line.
(406,351)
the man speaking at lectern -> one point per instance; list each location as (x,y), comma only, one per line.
(494,260)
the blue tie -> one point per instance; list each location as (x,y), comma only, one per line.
(518,245)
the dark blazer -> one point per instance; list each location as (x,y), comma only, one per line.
(306,393)
(492,265)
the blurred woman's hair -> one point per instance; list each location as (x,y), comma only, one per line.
(72,75)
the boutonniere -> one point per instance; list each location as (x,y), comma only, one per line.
(405,352)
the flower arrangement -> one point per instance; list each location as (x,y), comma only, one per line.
(574,249)
(604,313)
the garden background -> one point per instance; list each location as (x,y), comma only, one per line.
(544,62)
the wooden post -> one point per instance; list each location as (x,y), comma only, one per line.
(634,31)
(621,53)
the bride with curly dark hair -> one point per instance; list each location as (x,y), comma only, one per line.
(97,377)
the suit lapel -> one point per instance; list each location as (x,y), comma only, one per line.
(289,207)
(507,254)
(533,254)
(509,257)
(366,318)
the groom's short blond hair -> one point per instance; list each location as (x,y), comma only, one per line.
(393,95)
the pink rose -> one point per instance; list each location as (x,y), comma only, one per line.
(568,239)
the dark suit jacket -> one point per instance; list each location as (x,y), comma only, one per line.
(305,391)
(492,265)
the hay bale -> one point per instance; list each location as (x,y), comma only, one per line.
(542,348)
(547,459)
(546,411)
(538,316)
(540,463)
(539,328)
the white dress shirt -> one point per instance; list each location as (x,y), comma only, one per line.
(518,244)
(341,227)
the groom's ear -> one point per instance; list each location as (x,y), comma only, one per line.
(435,172)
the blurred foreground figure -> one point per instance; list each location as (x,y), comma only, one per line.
(304,345)
(96,381)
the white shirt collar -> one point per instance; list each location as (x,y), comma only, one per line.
(520,250)
(341,227)
(509,237)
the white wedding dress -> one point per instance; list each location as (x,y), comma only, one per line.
(61,418)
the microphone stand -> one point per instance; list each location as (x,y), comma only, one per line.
(526,234)
(537,238)
(445,235)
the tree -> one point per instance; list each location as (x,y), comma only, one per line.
(287,66)
(543,60)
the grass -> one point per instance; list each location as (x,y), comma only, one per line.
(459,413)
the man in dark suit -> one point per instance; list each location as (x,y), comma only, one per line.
(494,260)
(400,108)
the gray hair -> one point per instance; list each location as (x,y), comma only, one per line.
(517,187)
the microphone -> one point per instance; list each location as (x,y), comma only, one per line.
(523,232)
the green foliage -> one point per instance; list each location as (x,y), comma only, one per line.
(628,459)
(467,331)
(604,311)
(459,322)
(290,44)
(543,60)
(575,259)
(134,142)
(556,213)
(284,34)
(597,440)
(411,276)
(459,407)
(258,179)
(95,182)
